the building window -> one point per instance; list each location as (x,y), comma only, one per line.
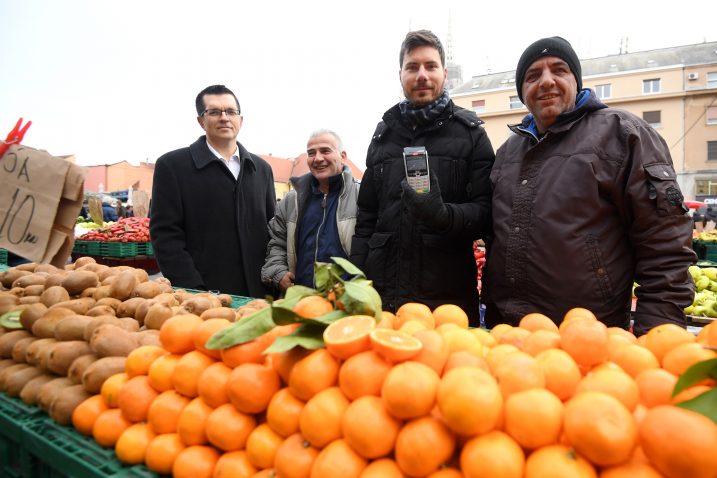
(603,91)
(515,103)
(653,118)
(712,80)
(706,187)
(651,86)
(712,115)
(478,106)
(712,150)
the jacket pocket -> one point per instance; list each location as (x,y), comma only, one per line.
(380,258)
(662,188)
(596,267)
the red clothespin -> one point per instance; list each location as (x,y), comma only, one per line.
(15,136)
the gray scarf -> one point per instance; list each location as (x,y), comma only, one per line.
(424,115)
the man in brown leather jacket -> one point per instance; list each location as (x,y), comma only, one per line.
(585,201)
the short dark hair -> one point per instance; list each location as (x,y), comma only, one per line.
(213,90)
(421,38)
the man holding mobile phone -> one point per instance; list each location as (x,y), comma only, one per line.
(416,242)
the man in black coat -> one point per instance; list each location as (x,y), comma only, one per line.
(211,203)
(418,246)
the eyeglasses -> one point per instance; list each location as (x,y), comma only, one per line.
(216,113)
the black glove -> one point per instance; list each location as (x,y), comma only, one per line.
(427,208)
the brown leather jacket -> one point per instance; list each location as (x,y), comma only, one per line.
(582,213)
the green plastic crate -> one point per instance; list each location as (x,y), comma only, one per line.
(3,256)
(91,248)
(14,461)
(118,249)
(237,300)
(710,249)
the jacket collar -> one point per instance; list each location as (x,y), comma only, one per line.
(202,156)
(586,102)
(393,118)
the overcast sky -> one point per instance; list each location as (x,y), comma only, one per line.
(110,80)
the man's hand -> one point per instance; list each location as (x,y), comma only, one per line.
(286,281)
(428,208)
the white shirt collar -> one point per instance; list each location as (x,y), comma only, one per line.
(233,162)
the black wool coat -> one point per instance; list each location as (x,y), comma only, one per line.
(209,230)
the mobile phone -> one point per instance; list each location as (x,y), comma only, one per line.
(415,160)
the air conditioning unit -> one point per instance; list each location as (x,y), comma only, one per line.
(693,76)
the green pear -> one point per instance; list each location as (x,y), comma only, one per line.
(702,283)
(710,272)
(689,310)
(695,272)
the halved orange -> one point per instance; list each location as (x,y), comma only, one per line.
(349,335)
(394,345)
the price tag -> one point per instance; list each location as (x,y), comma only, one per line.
(40,198)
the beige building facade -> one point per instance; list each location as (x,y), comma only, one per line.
(673,89)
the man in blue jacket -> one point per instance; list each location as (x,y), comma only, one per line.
(211,203)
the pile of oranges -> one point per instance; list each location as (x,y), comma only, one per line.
(417,394)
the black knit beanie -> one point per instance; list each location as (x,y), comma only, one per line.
(553,46)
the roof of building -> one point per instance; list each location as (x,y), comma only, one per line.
(687,55)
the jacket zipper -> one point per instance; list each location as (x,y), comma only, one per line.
(318,230)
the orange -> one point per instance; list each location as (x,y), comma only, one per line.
(234,464)
(261,446)
(108,426)
(655,387)
(557,461)
(519,371)
(462,339)
(315,372)
(363,374)
(86,413)
(515,336)
(586,341)
(423,445)
(161,370)
(212,384)
(195,462)
(710,334)
(267,473)
(162,451)
(251,386)
(493,454)
(463,358)
(283,413)
(690,393)
(338,459)
(295,457)
(450,314)
(679,442)
(320,419)
(177,333)
(189,368)
(600,428)
(663,338)
(682,357)
(633,359)
(446,473)
(484,337)
(469,401)
(368,428)
(409,390)
(140,359)
(533,418)
(248,352)
(498,331)
(622,332)
(383,468)
(131,446)
(191,426)
(413,326)
(205,331)
(284,362)
(414,311)
(541,340)
(443,328)
(631,469)
(111,388)
(576,313)
(394,345)
(536,321)
(135,397)
(312,306)
(349,335)
(496,355)
(434,352)
(228,429)
(561,372)
(387,321)
(613,382)
(163,414)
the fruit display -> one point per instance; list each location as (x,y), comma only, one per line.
(323,383)
(706,236)
(705,301)
(126,229)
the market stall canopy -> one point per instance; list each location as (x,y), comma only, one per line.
(695,204)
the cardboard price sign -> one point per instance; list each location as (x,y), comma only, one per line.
(40,198)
